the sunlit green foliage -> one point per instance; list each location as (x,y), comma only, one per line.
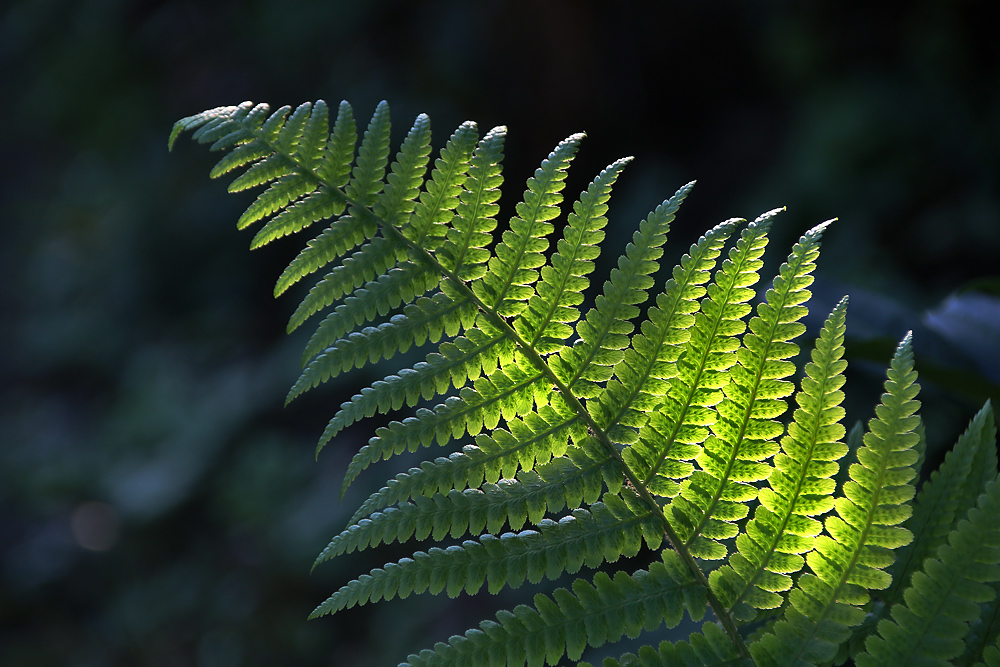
(600,434)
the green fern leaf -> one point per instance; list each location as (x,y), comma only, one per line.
(991,656)
(463,253)
(711,649)
(944,596)
(283,191)
(507,284)
(368,262)
(271,168)
(604,533)
(467,469)
(785,522)
(455,363)
(540,436)
(702,373)
(373,156)
(745,433)
(641,376)
(567,622)
(545,323)
(320,205)
(436,206)
(335,168)
(344,234)
(947,496)
(604,331)
(312,142)
(850,559)
(425,319)
(594,440)
(555,485)
(984,631)
(377,298)
(241,156)
(406,175)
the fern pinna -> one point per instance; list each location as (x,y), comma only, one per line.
(586,436)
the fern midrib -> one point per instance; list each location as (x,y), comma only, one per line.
(725,619)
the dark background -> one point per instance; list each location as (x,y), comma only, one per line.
(159,507)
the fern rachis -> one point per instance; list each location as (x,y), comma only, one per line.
(597,433)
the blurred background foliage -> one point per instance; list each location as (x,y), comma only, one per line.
(159,507)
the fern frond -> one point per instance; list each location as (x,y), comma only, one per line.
(539,436)
(711,649)
(745,433)
(335,168)
(930,628)
(248,148)
(638,439)
(580,472)
(332,243)
(370,261)
(604,533)
(406,174)
(436,206)
(946,497)
(399,285)
(567,622)
(642,375)
(983,632)
(785,523)
(280,194)
(456,362)
(433,211)
(373,156)
(604,331)
(507,284)
(463,252)
(546,322)
(319,205)
(298,143)
(426,318)
(943,501)
(555,485)
(858,545)
(224,119)
(271,168)
(701,375)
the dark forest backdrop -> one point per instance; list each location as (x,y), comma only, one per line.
(159,507)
